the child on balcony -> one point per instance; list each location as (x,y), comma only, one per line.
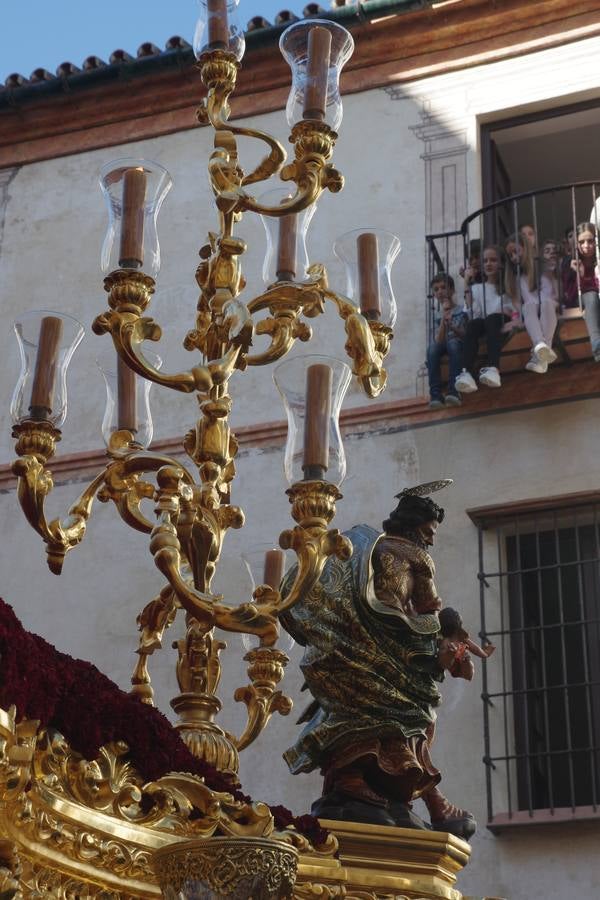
(448,342)
(529,233)
(538,297)
(582,277)
(489,309)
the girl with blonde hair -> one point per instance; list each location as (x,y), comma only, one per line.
(536,294)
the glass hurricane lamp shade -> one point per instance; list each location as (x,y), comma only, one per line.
(219,28)
(127,400)
(47,341)
(134,190)
(313,390)
(368,255)
(316,51)
(267,564)
(286,257)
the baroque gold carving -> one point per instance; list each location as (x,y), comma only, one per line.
(309,890)
(239,869)
(40,882)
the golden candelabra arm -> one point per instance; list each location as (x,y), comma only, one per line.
(129,294)
(165,547)
(154,619)
(219,73)
(118,481)
(286,302)
(265,670)
(313,508)
(35,483)
(310,171)
(367,343)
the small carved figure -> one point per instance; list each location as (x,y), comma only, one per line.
(456,644)
(371,634)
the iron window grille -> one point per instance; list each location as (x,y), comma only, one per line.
(539,575)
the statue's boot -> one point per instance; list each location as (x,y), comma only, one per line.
(348,798)
(346,808)
(405,817)
(445,816)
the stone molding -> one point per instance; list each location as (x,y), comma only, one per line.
(519,391)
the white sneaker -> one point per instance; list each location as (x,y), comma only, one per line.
(465,383)
(544,353)
(535,364)
(490,377)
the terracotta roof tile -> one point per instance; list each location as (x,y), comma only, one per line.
(285,17)
(15,80)
(67,68)
(148,49)
(93,62)
(257,22)
(177,43)
(120,56)
(41,75)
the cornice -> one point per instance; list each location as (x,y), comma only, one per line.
(390,50)
(519,392)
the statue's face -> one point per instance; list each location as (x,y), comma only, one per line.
(427,532)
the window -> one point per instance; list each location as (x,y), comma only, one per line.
(540,605)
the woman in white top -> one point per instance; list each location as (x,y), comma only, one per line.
(538,297)
(489,310)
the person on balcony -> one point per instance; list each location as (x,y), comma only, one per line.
(551,264)
(471,273)
(448,342)
(530,234)
(489,310)
(536,294)
(582,279)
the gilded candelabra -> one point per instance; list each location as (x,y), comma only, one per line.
(193,513)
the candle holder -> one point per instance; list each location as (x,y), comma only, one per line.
(266,565)
(219,28)
(316,51)
(134,190)
(286,257)
(368,255)
(47,341)
(127,418)
(314,448)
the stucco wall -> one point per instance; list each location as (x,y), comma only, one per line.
(53,228)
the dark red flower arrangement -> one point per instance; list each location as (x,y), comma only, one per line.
(85,706)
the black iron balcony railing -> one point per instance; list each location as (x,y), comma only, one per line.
(535,235)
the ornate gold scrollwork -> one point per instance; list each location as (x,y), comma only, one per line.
(248,867)
(129,329)
(313,507)
(265,670)
(311,890)
(118,481)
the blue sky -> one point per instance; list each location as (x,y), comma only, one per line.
(48,32)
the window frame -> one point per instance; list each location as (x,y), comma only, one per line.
(506,519)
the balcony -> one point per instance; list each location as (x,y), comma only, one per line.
(535,238)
